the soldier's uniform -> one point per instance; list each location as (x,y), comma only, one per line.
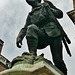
(41,30)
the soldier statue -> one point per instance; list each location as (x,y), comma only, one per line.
(42,29)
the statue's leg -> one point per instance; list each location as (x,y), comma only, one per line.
(56,50)
(32,34)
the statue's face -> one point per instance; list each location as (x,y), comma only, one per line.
(32,2)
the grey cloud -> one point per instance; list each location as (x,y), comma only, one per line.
(12,19)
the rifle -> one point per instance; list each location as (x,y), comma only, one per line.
(67,48)
(64,35)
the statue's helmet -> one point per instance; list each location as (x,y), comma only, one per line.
(30,3)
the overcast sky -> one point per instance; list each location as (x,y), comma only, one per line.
(13,14)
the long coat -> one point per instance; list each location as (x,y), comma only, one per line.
(41,17)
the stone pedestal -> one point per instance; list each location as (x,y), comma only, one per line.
(40,68)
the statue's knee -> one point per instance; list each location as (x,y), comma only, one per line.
(32,27)
(32,31)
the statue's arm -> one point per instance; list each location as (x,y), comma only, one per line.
(22,34)
(57,12)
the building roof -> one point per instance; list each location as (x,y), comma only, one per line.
(1,42)
(4,63)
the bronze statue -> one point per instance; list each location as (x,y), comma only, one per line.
(43,29)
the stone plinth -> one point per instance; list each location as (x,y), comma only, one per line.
(40,68)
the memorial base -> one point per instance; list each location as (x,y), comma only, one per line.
(40,68)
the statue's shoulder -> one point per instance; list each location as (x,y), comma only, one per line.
(45,4)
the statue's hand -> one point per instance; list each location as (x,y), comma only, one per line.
(18,42)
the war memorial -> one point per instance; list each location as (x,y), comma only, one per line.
(40,30)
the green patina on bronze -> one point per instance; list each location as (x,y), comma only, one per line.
(42,29)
